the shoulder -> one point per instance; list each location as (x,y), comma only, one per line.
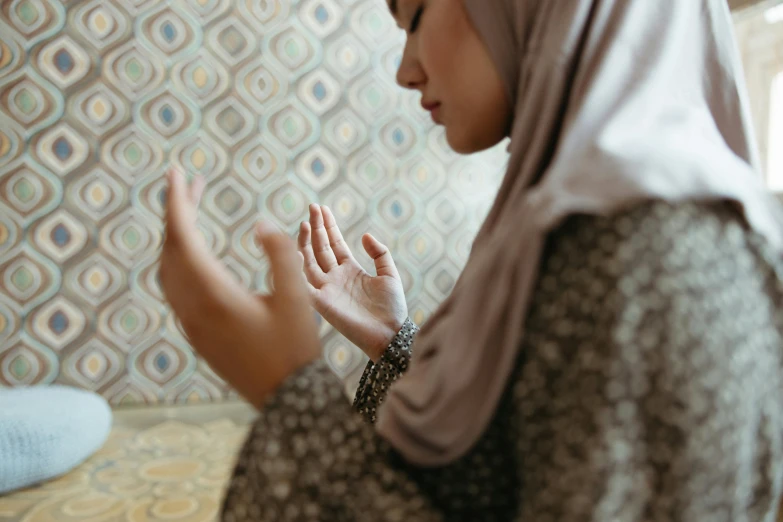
(666,238)
(653,254)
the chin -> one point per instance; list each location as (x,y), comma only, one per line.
(459,142)
(465,143)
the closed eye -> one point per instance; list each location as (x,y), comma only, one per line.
(416,19)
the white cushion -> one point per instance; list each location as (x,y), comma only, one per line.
(46,431)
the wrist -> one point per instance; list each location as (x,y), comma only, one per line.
(281,364)
(263,358)
(376,351)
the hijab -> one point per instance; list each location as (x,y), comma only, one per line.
(614,102)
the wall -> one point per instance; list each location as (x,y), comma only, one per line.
(278,103)
(761,49)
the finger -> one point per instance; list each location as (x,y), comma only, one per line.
(301,269)
(312,291)
(284,263)
(313,272)
(321,247)
(266,299)
(177,206)
(340,248)
(197,190)
(384,264)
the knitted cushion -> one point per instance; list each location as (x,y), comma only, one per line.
(46,431)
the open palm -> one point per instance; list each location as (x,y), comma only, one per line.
(368,310)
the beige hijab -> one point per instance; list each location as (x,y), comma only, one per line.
(615,102)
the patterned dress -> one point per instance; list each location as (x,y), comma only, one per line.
(648,386)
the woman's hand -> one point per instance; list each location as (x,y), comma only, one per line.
(367,310)
(253,342)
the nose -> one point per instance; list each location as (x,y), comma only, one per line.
(410,74)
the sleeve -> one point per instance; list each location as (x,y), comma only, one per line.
(378,377)
(309,451)
(652,383)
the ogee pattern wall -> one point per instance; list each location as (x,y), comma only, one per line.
(278,103)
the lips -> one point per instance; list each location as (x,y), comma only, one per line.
(433,108)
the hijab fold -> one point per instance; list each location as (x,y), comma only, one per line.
(615,102)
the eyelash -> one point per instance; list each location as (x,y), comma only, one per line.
(416,19)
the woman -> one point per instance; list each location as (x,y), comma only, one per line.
(612,350)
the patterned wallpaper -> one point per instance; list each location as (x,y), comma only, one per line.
(278,103)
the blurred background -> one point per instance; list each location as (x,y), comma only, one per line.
(759,27)
(278,103)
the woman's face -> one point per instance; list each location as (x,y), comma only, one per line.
(446,60)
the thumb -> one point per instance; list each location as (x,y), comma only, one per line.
(285,263)
(177,206)
(384,264)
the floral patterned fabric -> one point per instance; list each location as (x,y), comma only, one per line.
(647,387)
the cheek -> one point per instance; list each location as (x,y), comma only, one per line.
(437,59)
(481,114)
(442,48)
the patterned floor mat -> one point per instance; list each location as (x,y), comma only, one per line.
(165,464)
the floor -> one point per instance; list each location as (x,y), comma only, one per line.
(159,464)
